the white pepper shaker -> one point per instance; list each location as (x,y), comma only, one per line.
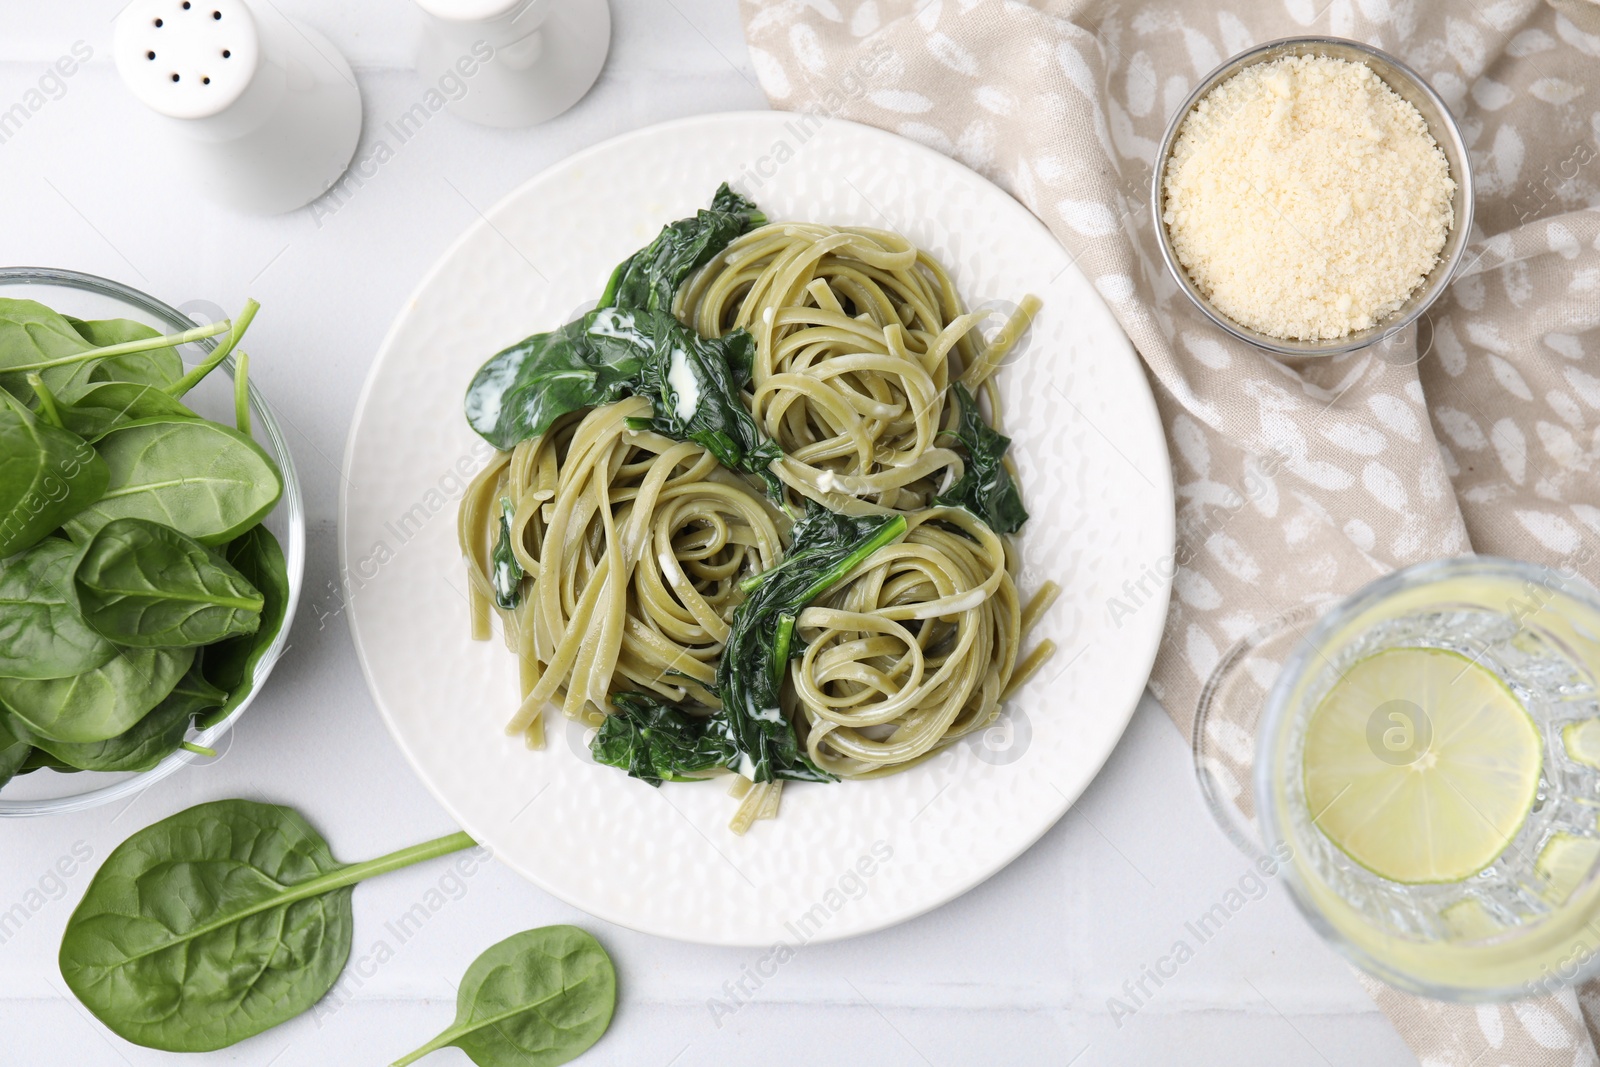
(513,62)
(262,111)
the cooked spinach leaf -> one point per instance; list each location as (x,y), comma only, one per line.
(601,356)
(217,923)
(508,573)
(657,742)
(201,478)
(99,704)
(985,487)
(537,999)
(232,664)
(826,546)
(145,585)
(42,631)
(522,390)
(651,276)
(47,476)
(147,742)
(694,383)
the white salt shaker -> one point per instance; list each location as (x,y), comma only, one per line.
(262,111)
(513,62)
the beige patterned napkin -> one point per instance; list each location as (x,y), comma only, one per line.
(1485,435)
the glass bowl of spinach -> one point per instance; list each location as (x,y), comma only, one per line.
(223,598)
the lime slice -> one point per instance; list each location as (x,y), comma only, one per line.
(1564,864)
(1582,741)
(1420,765)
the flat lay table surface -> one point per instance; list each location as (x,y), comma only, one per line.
(1086,950)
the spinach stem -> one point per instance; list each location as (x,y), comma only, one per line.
(146,344)
(320,885)
(780,647)
(240,323)
(47,401)
(241,392)
(475,1023)
(891,531)
(199,750)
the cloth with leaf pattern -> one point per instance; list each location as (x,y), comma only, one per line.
(1485,437)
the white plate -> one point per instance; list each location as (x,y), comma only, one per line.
(841,859)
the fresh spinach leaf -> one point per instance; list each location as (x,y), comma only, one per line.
(145,585)
(657,742)
(508,573)
(232,664)
(147,742)
(651,276)
(42,631)
(47,476)
(985,487)
(217,923)
(156,366)
(99,704)
(14,750)
(34,337)
(537,999)
(201,478)
(40,760)
(598,358)
(104,406)
(695,385)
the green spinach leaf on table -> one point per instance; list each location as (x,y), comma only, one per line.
(231,665)
(47,476)
(145,585)
(42,631)
(216,924)
(537,999)
(99,704)
(658,742)
(985,487)
(201,478)
(149,741)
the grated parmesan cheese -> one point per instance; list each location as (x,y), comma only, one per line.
(1306,199)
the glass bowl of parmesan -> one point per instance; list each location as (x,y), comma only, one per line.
(1313,196)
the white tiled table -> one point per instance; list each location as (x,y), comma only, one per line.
(1019,971)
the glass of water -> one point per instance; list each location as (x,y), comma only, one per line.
(1427,755)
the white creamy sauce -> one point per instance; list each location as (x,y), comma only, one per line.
(685,387)
(613,322)
(827,482)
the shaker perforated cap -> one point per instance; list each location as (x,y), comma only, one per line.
(187,58)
